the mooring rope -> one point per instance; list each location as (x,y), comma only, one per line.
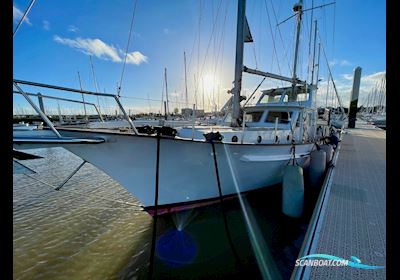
(154,235)
(226,225)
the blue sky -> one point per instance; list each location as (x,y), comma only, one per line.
(57,38)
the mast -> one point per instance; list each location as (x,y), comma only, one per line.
(238,62)
(299,9)
(83,98)
(166,90)
(319,53)
(186,93)
(313,63)
(95,82)
(203,92)
(309,42)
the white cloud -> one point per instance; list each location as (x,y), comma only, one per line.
(46,25)
(136,34)
(101,50)
(373,78)
(73,28)
(175,94)
(89,46)
(344,87)
(17,15)
(347,76)
(340,62)
(136,58)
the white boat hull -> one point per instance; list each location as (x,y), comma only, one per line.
(187,171)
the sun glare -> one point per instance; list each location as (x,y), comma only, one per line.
(209,82)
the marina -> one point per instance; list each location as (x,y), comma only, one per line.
(285,180)
(93,218)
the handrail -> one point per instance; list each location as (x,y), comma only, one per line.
(63,99)
(16,82)
(42,115)
(62,88)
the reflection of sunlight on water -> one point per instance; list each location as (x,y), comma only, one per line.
(183,218)
(258,244)
(176,248)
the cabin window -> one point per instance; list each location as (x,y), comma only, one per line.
(302,96)
(283,117)
(271,98)
(253,116)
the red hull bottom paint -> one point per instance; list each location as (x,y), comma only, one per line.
(177,207)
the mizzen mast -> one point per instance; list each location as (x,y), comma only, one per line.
(299,9)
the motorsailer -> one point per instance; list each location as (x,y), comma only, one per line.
(192,165)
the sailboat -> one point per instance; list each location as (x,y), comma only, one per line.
(170,168)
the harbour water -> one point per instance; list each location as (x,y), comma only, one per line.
(92,228)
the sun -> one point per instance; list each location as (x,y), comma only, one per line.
(209,82)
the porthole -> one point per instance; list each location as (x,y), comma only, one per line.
(234,138)
(259,139)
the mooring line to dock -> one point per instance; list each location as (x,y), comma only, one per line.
(154,235)
(70,175)
(226,225)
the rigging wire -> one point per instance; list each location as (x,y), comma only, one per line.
(274,54)
(281,37)
(24,16)
(209,42)
(127,47)
(221,44)
(248,99)
(196,84)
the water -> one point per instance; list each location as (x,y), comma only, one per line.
(93,229)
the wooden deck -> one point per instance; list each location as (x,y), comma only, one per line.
(350,219)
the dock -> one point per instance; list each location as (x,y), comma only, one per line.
(350,216)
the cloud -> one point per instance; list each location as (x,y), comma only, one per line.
(46,25)
(175,94)
(340,62)
(348,77)
(100,49)
(344,87)
(73,28)
(375,77)
(136,34)
(89,46)
(136,58)
(17,15)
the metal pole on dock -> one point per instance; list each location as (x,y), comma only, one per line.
(354,98)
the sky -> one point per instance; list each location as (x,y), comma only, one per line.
(59,38)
